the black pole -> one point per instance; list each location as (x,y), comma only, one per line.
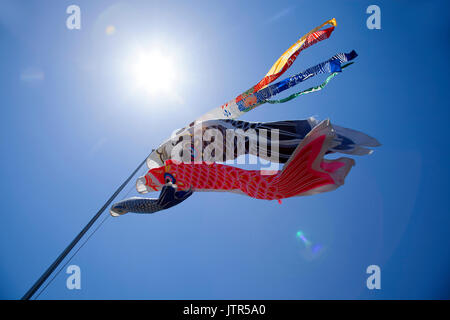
(61,257)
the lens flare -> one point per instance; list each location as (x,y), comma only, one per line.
(303,238)
(309,250)
(110,30)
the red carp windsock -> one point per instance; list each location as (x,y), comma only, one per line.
(306,172)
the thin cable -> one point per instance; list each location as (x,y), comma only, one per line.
(70,259)
(29,294)
(81,246)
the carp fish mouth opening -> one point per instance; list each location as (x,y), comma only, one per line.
(117,210)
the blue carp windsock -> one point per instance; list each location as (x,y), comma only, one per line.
(168,198)
(309,90)
(237,108)
(332,65)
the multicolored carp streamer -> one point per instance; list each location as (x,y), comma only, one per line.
(287,59)
(280,66)
(309,90)
(306,172)
(242,137)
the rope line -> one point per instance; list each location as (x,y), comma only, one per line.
(81,246)
(70,259)
(29,294)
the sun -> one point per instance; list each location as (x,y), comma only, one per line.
(153,71)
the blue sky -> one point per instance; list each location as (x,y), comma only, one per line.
(74,126)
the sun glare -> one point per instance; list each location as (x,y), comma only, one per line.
(153,71)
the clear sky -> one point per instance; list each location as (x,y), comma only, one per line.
(75,123)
